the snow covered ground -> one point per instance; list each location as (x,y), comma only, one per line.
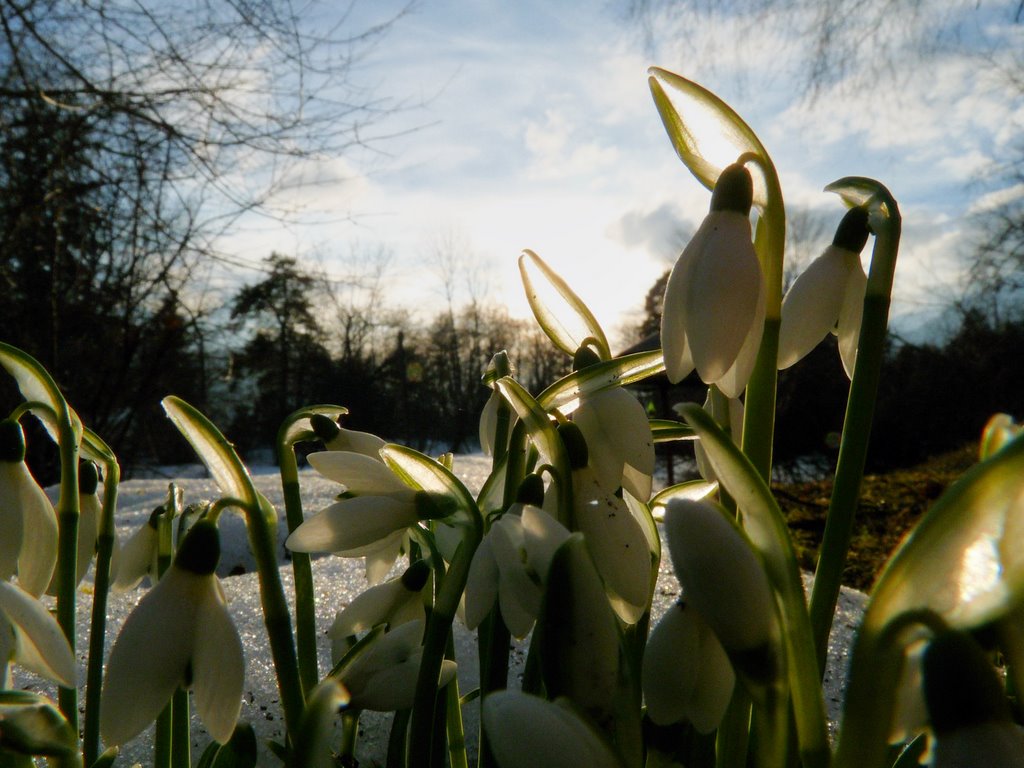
(337,582)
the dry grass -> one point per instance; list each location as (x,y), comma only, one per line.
(890,505)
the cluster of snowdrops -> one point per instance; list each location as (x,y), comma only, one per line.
(562,546)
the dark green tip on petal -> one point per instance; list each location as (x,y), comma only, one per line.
(961,687)
(200,551)
(852,232)
(12,441)
(734,190)
(324,427)
(154,518)
(415,576)
(584,358)
(531,490)
(88,478)
(575,445)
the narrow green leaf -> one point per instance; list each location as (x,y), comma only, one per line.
(691,490)
(213,449)
(565,393)
(538,423)
(765,525)
(239,752)
(561,314)
(34,383)
(860,191)
(705,131)
(106,760)
(667,430)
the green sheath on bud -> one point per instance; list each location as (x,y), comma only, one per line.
(852,232)
(734,190)
(430,506)
(324,427)
(200,551)
(961,688)
(531,490)
(575,445)
(154,518)
(88,478)
(12,441)
(415,576)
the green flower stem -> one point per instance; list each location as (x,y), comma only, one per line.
(305,608)
(98,622)
(493,643)
(454,726)
(69,438)
(734,731)
(856,429)
(181,737)
(163,736)
(262,531)
(439,625)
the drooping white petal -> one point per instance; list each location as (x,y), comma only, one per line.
(218,668)
(481,584)
(614,538)
(619,440)
(850,316)
(385,674)
(735,379)
(137,558)
(356,442)
(521,728)
(352,523)
(40,644)
(811,307)
(518,595)
(542,536)
(90,511)
(715,682)
(987,744)
(150,655)
(358,473)
(382,556)
(377,605)
(670,666)
(11,521)
(720,574)
(489,423)
(674,344)
(38,555)
(722,293)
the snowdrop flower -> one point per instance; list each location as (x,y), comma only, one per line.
(969,713)
(383,678)
(90,516)
(725,581)
(525,731)
(180,634)
(31,637)
(619,440)
(713,311)
(686,672)
(511,565)
(138,559)
(28,524)
(376,514)
(395,602)
(828,296)
(337,438)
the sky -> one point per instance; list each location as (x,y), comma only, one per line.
(530,125)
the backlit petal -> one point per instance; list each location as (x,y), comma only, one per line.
(670,666)
(38,555)
(357,442)
(218,669)
(10,521)
(722,294)
(542,535)
(481,584)
(850,317)
(150,655)
(618,436)
(811,308)
(735,379)
(137,558)
(358,473)
(715,682)
(352,523)
(382,556)
(674,344)
(40,644)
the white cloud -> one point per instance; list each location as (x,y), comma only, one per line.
(558,149)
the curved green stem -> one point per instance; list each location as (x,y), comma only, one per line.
(67,545)
(305,608)
(98,622)
(857,425)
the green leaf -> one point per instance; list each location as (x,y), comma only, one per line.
(312,747)
(239,752)
(32,725)
(297,428)
(860,191)
(106,760)
(214,450)
(691,490)
(564,394)
(667,430)
(538,423)
(562,315)
(706,133)
(34,383)
(965,559)
(765,525)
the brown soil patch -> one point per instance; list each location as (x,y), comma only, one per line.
(890,505)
